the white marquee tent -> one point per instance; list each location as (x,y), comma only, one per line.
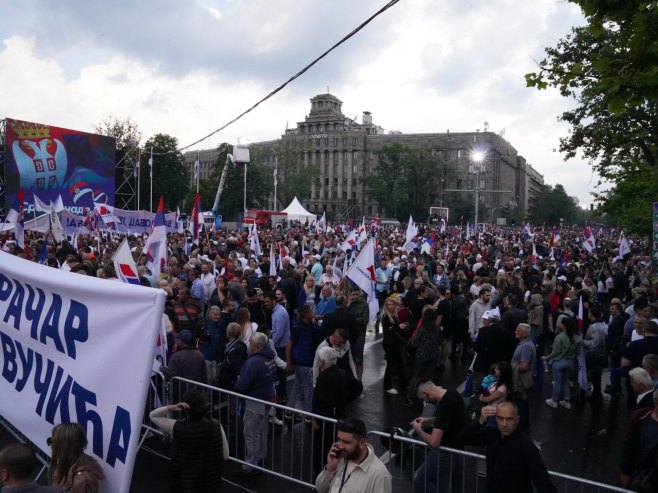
(296,212)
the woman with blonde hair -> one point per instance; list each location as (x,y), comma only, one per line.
(70,468)
(243,319)
(394,347)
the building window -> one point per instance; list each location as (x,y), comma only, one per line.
(344,197)
(459,184)
(354,168)
(459,153)
(335,141)
(353,182)
(353,195)
(353,141)
(335,181)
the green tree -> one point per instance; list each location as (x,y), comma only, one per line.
(231,203)
(170,175)
(128,136)
(609,67)
(552,205)
(404,181)
(293,176)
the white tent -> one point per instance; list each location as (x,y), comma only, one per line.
(296,212)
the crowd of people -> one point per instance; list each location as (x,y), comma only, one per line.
(508,304)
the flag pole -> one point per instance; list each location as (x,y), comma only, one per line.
(196,171)
(139,175)
(151,176)
(276,177)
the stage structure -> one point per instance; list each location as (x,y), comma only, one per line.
(51,161)
(125,196)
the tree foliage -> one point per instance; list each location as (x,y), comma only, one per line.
(404,181)
(170,176)
(554,206)
(610,67)
(294,177)
(231,203)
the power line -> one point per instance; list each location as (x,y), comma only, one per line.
(298,74)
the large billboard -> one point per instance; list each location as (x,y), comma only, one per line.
(52,161)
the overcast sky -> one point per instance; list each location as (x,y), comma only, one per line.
(187,67)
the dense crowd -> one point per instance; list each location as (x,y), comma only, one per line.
(506,303)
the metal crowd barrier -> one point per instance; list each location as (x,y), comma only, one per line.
(295,452)
(41,457)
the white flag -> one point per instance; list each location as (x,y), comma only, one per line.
(349,242)
(179,221)
(272,261)
(412,229)
(362,273)
(254,244)
(362,235)
(274,175)
(151,164)
(196,166)
(624,248)
(39,205)
(56,225)
(59,203)
(124,265)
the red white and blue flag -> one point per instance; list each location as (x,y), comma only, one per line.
(589,243)
(124,265)
(106,212)
(155,247)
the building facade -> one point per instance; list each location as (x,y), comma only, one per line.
(345,151)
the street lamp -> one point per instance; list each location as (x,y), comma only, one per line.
(477,167)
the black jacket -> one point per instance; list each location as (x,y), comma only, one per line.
(513,463)
(340,317)
(493,344)
(197,456)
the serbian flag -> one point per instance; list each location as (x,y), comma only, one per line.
(106,212)
(254,244)
(124,265)
(196,212)
(552,242)
(155,247)
(534,255)
(580,315)
(589,243)
(16,217)
(427,246)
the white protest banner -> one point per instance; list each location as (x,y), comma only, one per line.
(77,349)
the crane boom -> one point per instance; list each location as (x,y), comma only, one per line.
(222,180)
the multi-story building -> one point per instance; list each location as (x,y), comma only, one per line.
(345,151)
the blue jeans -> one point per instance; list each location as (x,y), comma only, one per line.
(562,369)
(435,475)
(302,385)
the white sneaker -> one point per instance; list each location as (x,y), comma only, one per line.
(565,404)
(551,403)
(276,421)
(391,391)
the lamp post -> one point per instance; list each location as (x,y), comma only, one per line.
(477,158)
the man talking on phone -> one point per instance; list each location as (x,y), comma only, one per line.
(352,466)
